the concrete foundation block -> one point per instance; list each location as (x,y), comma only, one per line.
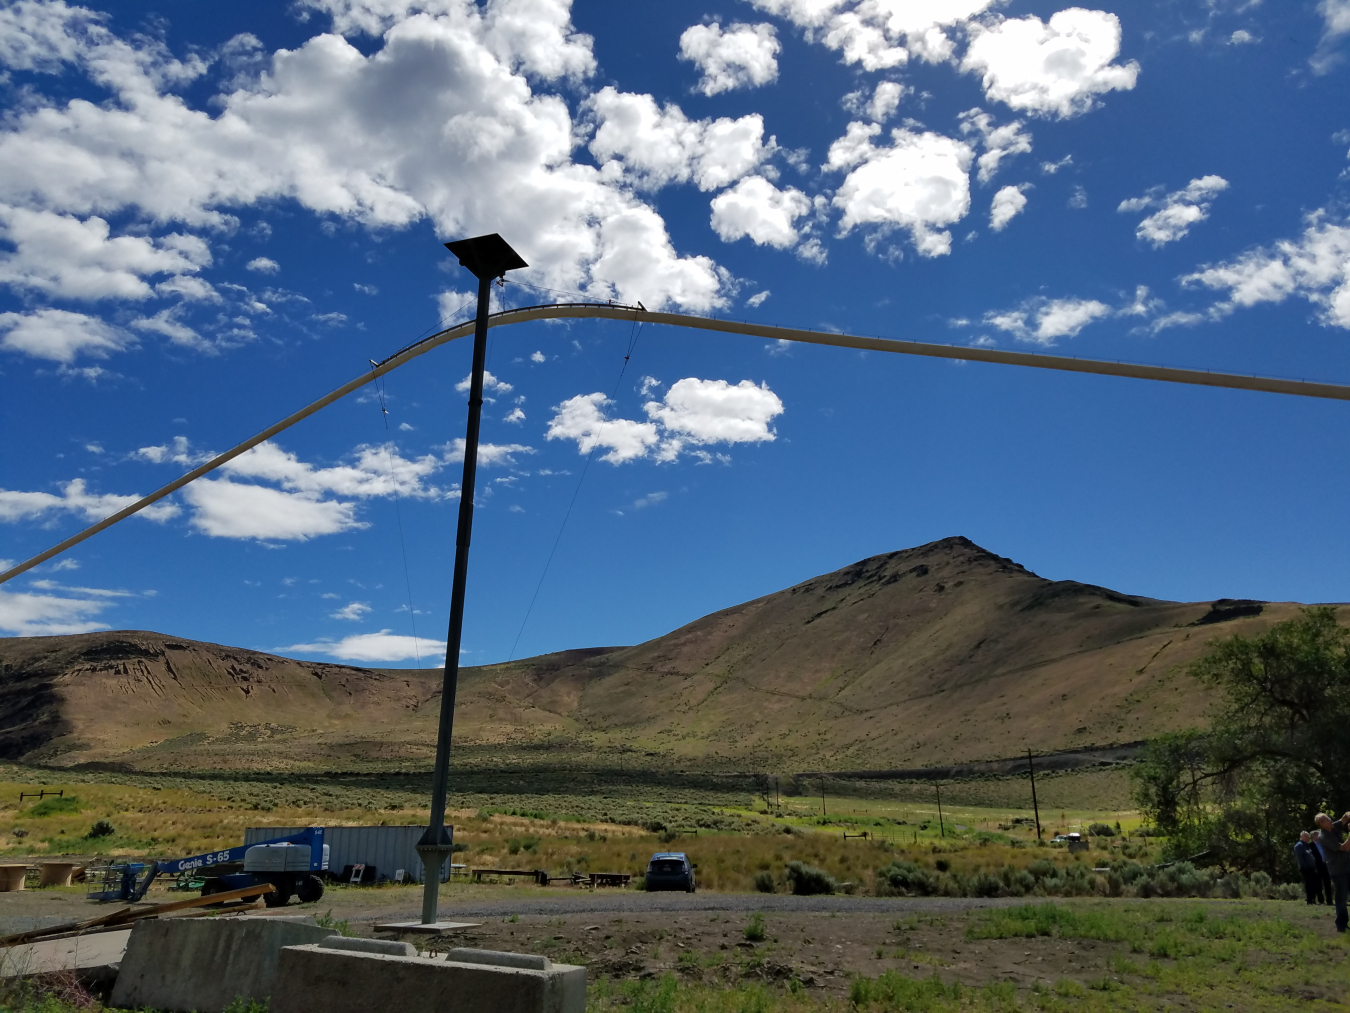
(313,977)
(358,945)
(465,955)
(203,964)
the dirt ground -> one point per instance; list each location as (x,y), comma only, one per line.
(822,942)
(820,950)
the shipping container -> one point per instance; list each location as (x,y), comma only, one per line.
(387,849)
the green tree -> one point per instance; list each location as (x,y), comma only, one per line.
(1277,750)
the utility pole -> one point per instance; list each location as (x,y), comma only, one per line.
(486,257)
(822,796)
(941,826)
(1031,769)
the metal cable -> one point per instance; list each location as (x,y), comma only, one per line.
(633,335)
(616,311)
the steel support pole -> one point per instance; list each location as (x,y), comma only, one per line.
(1035,806)
(436,846)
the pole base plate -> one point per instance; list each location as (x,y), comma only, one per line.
(431,928)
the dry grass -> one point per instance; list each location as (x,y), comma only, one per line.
(168,820)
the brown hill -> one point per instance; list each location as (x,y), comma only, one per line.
(943,653)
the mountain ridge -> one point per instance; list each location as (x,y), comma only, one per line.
(940,654)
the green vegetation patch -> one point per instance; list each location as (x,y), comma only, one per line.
(1060,921)
(59,806)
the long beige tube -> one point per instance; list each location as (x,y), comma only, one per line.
(614,311)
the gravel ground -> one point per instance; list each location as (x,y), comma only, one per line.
(33,908)
(637,902)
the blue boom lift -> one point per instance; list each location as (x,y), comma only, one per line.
(291,864)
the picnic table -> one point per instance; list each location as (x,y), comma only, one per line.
(58,873)
(538,875)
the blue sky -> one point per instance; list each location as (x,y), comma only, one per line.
(212,214)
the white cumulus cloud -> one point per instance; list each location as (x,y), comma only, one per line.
(60,335)
(693,413)
(1315,266)
(582,418)
(651,146)
(43,615)
(1176,212)
(263,265)
(226,509)
(456,306)
(756,208)
(1041,321)
(63,257)
(705,412)
(489,454)
(744,56)
(167,323)
(491,384)
(998,142)
(880,33)
(1007,205)
(176,451)
(75,499)
(919,182)
(303,501)
(353,611)
(880,105)
(1336,25)
(372,647)
(1055,68)
(365,134)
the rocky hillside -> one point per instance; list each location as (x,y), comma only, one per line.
(941,654)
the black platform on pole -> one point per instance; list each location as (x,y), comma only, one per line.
(486,257)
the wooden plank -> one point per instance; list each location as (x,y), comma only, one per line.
(131,914)
(244,905)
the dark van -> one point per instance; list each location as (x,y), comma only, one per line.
(670,870)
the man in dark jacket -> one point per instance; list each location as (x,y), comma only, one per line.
(1336,853)
(1304,850)
(1323,876)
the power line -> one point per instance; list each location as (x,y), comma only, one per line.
(634,333)
(398,513)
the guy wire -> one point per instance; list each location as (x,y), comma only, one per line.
(398,515)
(634,333)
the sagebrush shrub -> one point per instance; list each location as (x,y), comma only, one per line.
(806,880)
(901,879)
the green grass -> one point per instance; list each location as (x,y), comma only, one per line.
(1055,920)
(754,932)
(55,806)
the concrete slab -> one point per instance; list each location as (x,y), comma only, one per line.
(74,953)
(204,964)
(433,927)
(312,978)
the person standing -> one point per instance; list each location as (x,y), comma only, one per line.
(1307,868)
(1336,853)
(1323,876)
